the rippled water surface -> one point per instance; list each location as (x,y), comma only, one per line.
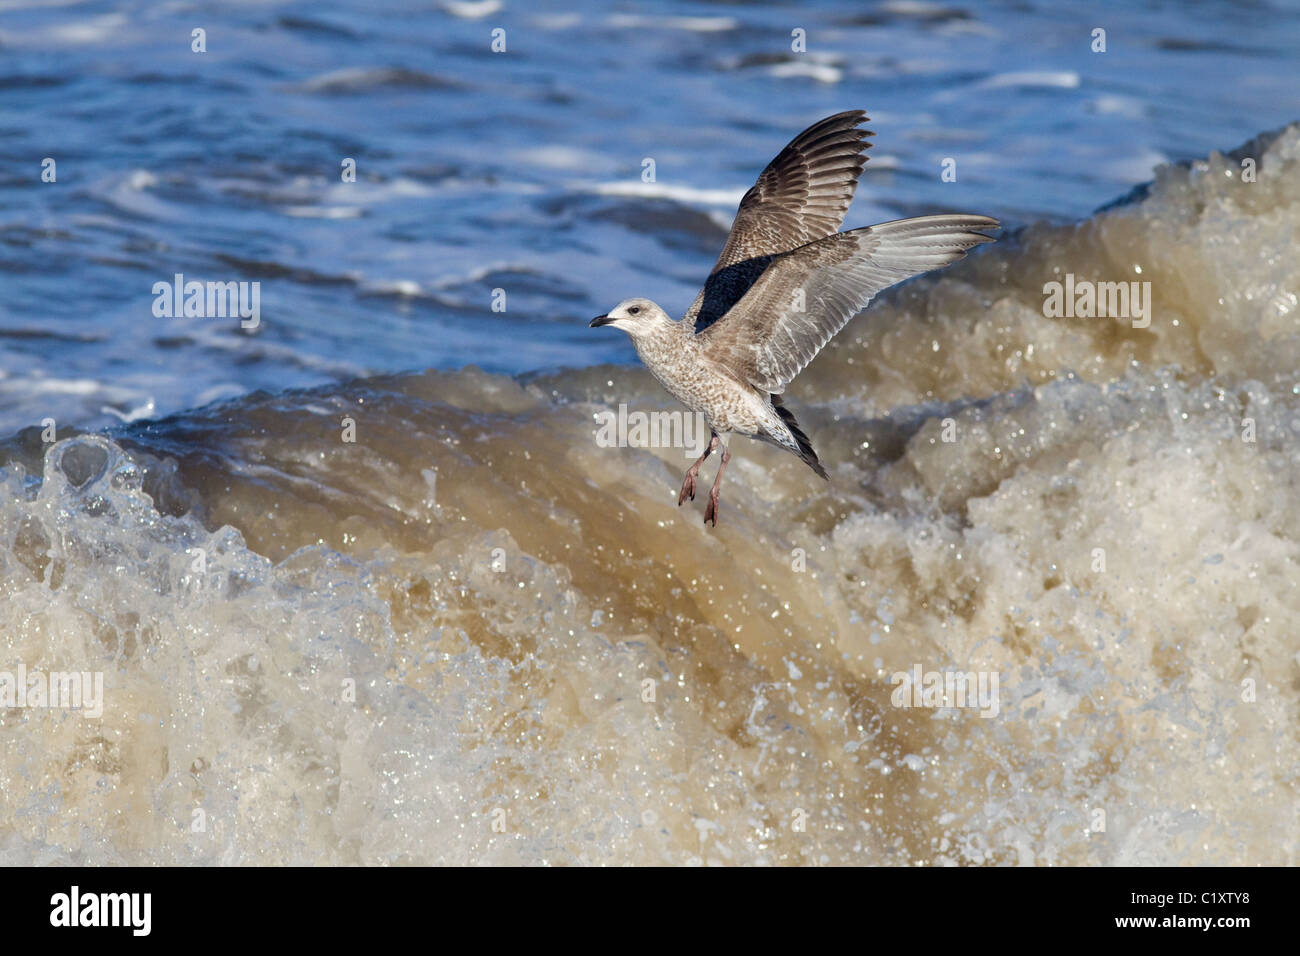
(522,170)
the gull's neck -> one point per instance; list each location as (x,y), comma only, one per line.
(664,345)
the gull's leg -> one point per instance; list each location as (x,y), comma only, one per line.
(688,483)
(711,509)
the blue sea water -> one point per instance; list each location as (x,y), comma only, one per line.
(522,170)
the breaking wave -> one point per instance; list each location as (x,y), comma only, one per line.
(474,635)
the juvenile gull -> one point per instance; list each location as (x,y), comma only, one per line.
(787,280)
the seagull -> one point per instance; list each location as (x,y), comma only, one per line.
(787,280)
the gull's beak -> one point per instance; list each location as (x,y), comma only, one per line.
(599,321)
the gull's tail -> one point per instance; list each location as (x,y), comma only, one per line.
(805,452)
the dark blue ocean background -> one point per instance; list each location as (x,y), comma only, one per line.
(522,170)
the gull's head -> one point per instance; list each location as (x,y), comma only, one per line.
(636,317)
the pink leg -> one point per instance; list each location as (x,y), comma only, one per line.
(711,510)
(688,483)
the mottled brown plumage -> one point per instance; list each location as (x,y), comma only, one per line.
(806,295)
(800,196)
(786,282)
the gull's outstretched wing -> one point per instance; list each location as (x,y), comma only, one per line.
(802,195)
(808,294)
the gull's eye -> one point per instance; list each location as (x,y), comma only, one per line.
(634,310)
